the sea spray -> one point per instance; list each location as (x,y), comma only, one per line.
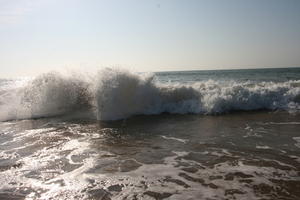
(47,95)
(121,94)
(113,94)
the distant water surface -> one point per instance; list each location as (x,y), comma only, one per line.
(254,75)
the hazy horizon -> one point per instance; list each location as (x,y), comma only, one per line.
(40,36)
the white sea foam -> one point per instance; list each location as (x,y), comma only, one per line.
(117,94)
(297,139)
(262,147)
(174,138)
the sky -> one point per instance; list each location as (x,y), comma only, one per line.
(147,35)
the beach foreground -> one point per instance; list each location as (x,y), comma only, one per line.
(243,155)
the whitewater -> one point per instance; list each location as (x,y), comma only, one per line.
(119,134)
(113,94)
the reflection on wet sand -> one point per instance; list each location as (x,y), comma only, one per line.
(244,156)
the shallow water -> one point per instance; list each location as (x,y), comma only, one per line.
(252,155)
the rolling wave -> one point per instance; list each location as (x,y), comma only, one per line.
(115,94)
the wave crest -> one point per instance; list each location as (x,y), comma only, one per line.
(116,94)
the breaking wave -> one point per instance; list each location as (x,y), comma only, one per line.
(117,94)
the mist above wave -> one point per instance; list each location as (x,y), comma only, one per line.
(114,94)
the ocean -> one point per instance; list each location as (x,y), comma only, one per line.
(117,134)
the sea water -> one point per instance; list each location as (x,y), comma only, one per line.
(115,134)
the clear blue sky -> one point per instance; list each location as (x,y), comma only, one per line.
(146,35)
